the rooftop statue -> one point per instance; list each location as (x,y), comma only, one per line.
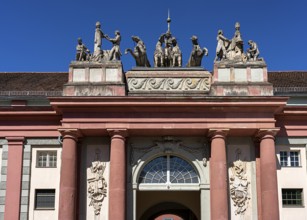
(176,54)
(83,54)
(253,51)
(115,53)
(159,53)
(230,49)
(236,46)
(139,52)
(222,45)
(170,55)
(197,53)
(98,52)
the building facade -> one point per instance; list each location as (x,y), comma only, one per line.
(161,143)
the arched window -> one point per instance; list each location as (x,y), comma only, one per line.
(168,170)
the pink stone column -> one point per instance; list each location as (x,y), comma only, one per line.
(218,176)
(268,179)
(14,175)
(117,186)
(68,181)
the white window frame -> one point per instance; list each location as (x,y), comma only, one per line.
(168,185)
(48,153)
(288,152)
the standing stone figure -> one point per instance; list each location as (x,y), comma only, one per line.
(176,54)
(83,54)
(98,38)
(98,53)
(197,53)
(236,45)
(115,53)
(168,48)
(253,51)
(159,53)
(222,43)
(139,52)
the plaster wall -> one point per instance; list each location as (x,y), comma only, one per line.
(292,177)
(93,149)
(242,148)
(44,178)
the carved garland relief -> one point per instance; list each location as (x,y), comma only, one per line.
(239,185)
(97,185)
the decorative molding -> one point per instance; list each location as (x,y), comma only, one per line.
(97,185)
(239,185)
(43,141)
(160,144)
(169,84)
(267,133)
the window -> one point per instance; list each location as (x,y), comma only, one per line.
(44,198)
(170,170)
(292,197)
(46,158)
(289,158)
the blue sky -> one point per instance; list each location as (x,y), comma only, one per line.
(41,35)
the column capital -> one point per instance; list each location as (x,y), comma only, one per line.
(15,140)
(218,133)
(119,133)
(70,133)
(267,133)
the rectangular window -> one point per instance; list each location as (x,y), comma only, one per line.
(44,198)
(46,158)
(292,197)
(289,158)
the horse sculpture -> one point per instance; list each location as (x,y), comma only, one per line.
(197,53)
(139,52)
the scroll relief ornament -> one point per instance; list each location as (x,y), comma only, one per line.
(97,185)
(239,185)
(169,84)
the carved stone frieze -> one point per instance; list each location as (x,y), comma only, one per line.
(97,185)
(239,185)
(169,84)
(171,81)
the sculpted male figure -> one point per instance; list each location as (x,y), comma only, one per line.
(221,46)
(159,53)
(98,38)
(115,53)
(252,51)
(176,54)
(83,54)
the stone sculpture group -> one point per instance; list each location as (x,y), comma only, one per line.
(167,52)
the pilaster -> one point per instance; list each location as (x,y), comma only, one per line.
(117,188)
(68,182)
(14,175)
(268,174)
(218,175)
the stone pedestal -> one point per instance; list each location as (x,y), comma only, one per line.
(95,79)
(241,79)
(168,82)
